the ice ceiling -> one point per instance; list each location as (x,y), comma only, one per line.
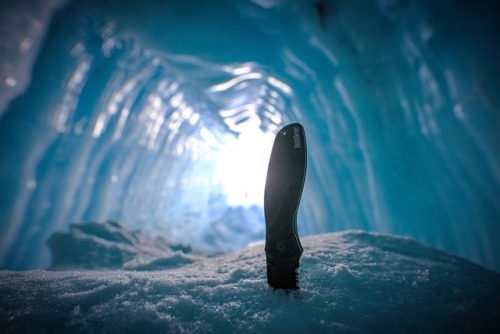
(161,115)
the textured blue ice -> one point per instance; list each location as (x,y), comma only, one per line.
(138,111)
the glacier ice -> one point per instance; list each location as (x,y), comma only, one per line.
(109,245)
(136,111)
(135,135)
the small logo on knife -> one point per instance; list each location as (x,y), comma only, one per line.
(296,138)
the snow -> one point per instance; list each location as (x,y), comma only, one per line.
(350,282)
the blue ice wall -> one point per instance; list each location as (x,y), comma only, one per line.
(161,114)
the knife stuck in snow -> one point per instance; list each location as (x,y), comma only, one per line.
(284,184)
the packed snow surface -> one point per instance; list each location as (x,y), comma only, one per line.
(351,282)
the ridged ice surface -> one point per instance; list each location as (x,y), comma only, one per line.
(161,115)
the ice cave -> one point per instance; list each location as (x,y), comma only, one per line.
(152,122)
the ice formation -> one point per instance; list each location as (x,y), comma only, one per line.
(161,114)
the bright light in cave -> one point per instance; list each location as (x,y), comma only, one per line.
(242,167)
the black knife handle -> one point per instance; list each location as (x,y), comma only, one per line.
(284,185)
(282,274)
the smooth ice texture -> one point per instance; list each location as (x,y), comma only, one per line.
(351,282)
(161,115)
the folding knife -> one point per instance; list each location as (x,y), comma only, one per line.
(284,184)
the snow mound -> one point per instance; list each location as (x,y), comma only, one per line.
(351,282)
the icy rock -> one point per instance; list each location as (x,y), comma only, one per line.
(110,245)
